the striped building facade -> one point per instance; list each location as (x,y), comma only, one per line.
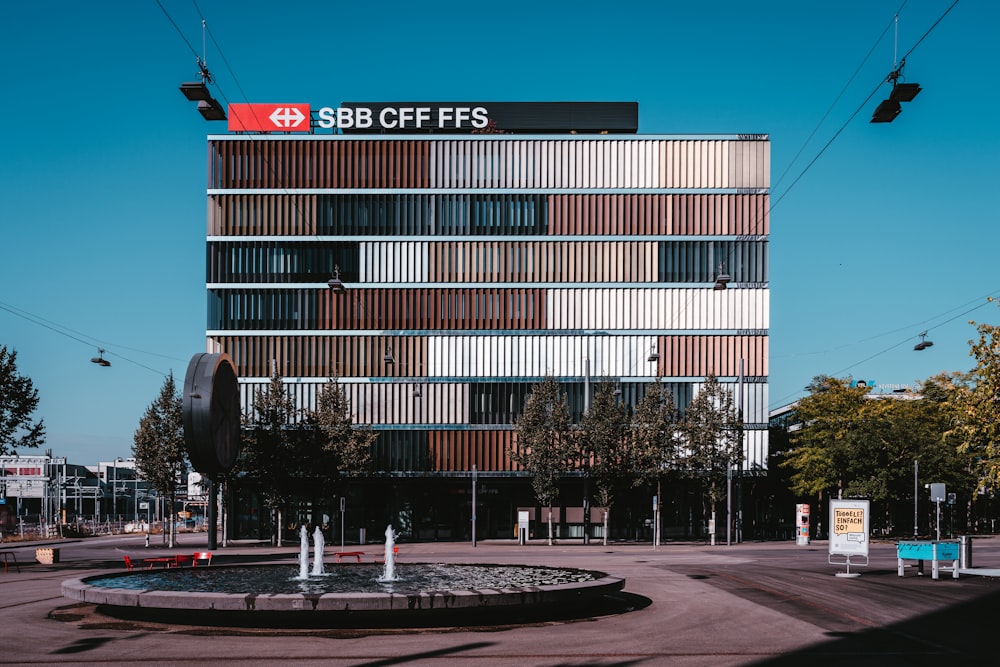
(474,266)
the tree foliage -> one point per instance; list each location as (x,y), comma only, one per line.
(544,445)
(270,442)
(158,444)
(340,448)
(301,454)
(654,435)
(978,404)
(712,434)
(854,445)
(18,400)
(822,451)
(604,444)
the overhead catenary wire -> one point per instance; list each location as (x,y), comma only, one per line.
(986,300)
(837,99)
(923,324)
(755,224)
(222,55)
(80,337)
(827,145)
(856,111)
(177,28)
(260,153)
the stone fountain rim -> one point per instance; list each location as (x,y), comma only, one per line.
(377,601)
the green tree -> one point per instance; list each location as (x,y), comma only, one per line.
(158,445)
(891,435)
(338,449)
(18,399)
(712,437)
(301,454)
(979,406)
(269,453)
(851,445)
(955,394)
(821,451)
(604,446)
(654,439)
(349,446)
(543,441)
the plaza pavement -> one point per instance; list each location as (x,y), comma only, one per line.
(756,603)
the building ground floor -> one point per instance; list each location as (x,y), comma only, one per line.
(441,508)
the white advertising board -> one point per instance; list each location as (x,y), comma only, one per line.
(849,522)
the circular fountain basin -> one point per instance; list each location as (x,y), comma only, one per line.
(258,591)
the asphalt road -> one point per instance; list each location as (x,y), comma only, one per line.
(683,604)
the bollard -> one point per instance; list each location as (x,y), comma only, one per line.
(964,552)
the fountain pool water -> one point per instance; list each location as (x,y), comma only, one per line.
(265,593)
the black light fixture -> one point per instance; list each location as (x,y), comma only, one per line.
(416,391)
(211,110)
(887,110)
(653,355)
(334,282)
(904,92)
(721,280)
(388,359)
(196,91)
(924,343)
(99,359)
(618,390)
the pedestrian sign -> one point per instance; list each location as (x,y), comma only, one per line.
(849,520)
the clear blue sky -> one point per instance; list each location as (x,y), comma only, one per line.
(892,231)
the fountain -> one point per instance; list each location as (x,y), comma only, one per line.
(389,571)
(348,594)
(318,544)
(303,553)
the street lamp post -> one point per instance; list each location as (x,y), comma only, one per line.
(586,461)
(729,473)
(473,504)
(114,491)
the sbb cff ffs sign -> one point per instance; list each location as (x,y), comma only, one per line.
(296,118)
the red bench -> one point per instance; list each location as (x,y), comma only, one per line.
(348,554)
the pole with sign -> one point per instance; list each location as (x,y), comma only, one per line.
(656,521)
(849,530)
(473,505)
(343,507)
(938,495)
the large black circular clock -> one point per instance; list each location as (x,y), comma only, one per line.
(211,409)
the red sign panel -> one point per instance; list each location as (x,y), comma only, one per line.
(268,117)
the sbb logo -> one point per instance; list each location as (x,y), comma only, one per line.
(268,117)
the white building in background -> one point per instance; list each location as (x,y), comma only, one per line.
(42,488)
